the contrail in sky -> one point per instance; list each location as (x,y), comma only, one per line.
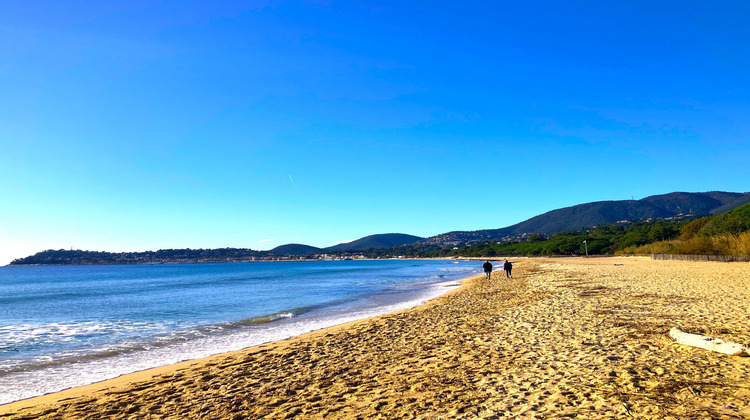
(290,178)
(266,240)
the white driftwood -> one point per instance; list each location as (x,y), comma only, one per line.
(709,343)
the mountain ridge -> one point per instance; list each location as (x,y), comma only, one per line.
(294,249)
(567,219)
(597,213)
(380,240)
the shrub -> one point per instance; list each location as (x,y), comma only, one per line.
(693,227)
(733,222)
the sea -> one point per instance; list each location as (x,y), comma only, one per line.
(66,326)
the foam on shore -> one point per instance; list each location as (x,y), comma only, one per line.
(76,370)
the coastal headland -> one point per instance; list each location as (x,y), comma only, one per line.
(565,337)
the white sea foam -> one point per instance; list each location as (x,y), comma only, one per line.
(142,317)
(55,377)
(62,331)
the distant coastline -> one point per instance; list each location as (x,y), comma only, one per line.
(350,250)
(712,223)
(85,258)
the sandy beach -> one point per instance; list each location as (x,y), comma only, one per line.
(565,337)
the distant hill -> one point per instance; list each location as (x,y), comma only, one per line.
(294,249)
(745,199)
(600,213)
(383,240)
(187,255)
(583,216)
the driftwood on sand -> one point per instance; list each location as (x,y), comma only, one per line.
(708,343)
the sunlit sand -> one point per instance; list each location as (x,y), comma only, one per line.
(564,337)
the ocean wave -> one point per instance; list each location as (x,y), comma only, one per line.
(56,332)
(270,317)
(17,338)
(36,358)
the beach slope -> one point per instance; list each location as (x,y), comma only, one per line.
(565,337)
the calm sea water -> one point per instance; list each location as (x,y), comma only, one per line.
(69,326)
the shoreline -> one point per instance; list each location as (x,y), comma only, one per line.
(252,261)
(132,377)
(564,337)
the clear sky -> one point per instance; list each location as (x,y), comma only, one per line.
(134,125)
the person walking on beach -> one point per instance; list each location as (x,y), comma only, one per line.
(508,266)
(487,269)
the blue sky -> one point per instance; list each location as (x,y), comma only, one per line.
(145,125)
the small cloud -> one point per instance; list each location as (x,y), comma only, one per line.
(266,240)
(344,242)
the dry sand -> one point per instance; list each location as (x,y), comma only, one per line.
(567,337)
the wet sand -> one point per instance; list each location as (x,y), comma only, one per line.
(566,337)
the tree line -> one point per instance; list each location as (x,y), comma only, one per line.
(725,234)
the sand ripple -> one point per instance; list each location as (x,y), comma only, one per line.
(569,338)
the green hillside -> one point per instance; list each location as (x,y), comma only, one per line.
(294,249)
(385,240)
(603,213)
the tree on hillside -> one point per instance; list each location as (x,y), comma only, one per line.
(732,222)
(661,231)
(693,227)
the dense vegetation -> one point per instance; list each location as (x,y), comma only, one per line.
(603,213)
(599,240)
(725,234)
(78,257)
